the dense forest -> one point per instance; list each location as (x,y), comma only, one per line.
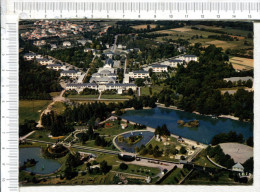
(195,88)
(35,81)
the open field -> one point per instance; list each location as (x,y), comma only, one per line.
(82,96)
(139,170)
(43,135)
(116,96)
(182,29)
(155,89)
(114,128)
(31,109)
(152,26)
(58,107)
(187,33)
(202,160)
(240,63)
(239,152)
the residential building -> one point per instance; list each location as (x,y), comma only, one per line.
(56,67)
(175,62)
(81,86)
(66,44)
(139,74)
(29,56)
(82,42)
(70,73)
(53,46)
(157,68)
(44,61)
(188,58)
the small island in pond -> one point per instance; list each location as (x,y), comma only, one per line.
(194,123)
(131,140)
(29,163)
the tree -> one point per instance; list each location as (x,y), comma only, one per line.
(123,166)
(139,82)
(104,167)
(250,141)
(130,91)
(249,165)
(183,150)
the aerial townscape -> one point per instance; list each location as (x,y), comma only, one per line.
(135,102)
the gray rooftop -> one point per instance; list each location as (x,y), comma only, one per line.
(175,60)
(121,84)
(69,71)
(140,71)
(189,56)
(158,65)
(55,65)
(81,84)
(109,61)
(234,79)
(29,54)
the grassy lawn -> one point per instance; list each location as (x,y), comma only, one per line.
(54,94)
(139,170)
(58,107)
(202,160)
(31,109)
(114,128)
(153,142)
(116,96)
(91,143)
(155,89)
(82,96)
(43,136)
(223,180)
(178,174)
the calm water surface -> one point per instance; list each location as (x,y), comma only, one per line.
(207,129)
(43,165)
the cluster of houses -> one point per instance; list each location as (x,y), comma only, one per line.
(51,28)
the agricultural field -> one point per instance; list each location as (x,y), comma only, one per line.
(187,33)
(152,26)
(31,109)
(240,63)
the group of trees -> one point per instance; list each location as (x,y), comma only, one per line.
(227,137)
(219,156)
(71,163)
(27,127)
(195,88)
(88,91)
(35,81)
(222,37)
(162,131)
(57,124)
(75,56)
(231,137)
(155,151)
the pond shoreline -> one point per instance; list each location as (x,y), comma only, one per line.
(197,113)
(151,129)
